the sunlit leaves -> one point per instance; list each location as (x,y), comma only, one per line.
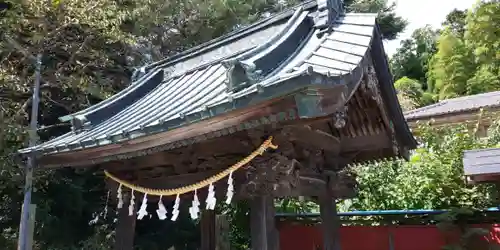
(431,179)
(413,92)
(411,59)
(450,67)
(468,60)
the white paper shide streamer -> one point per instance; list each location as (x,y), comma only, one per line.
(143,210)
(194,210)
(161,211)
(119,196)
(211,200)
(175,211)
(230,188)
(132,204)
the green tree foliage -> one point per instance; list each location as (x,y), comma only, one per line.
(411,90)
(390,23)
(431,179)
(467,61)
(451,67)
(482,37)
(460,59)
(411,59)
(455,21)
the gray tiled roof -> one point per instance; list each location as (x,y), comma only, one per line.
(455,105)
(479,162)
(195,88)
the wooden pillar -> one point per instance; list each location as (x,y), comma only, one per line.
(207,227)
(258,223)
(272,233)
(330,222)
(125,228)
(222,231)
(262,224)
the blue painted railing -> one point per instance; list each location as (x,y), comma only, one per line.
(380,212)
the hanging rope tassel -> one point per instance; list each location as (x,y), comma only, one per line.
(230,189)
(195,207)
(161,211)
(132,204)
(142,211)
(175,211)
(211,200)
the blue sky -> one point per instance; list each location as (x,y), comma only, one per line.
(422,12)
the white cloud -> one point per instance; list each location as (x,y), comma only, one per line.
(422,12)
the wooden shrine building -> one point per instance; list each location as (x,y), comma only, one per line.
(313,81)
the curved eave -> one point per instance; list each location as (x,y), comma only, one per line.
(203,128)
(137,90)
(403,134)
(326,58)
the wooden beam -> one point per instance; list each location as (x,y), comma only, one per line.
(365,143)
(173,181)
(90,156)
(489,178)
(315,138)
(125,228)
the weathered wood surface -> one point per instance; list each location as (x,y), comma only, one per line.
(330,222)
(312,138)
(207,227)
(222,231)
(125,228)
(275,175)
(255,113)
(264,235)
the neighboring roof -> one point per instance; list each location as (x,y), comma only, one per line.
(455,105)
(479,162)
(276,54)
